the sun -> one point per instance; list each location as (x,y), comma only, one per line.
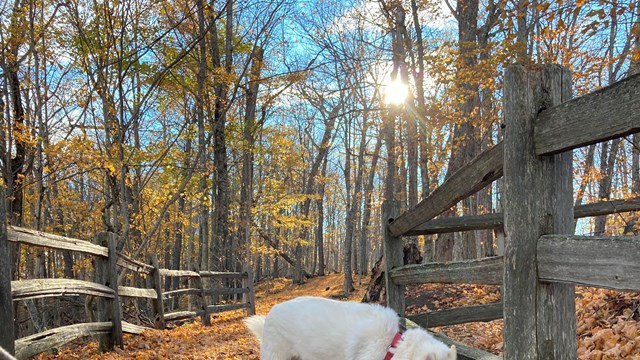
(395,91)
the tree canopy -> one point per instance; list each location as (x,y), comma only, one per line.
(258,133)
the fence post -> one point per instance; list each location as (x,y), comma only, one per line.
(539,319)
(106,273)
(154,281)
(250,297)
(7,335)
(202,303)
(113,283)
(393,257)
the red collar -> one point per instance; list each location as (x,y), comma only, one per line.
(393,346)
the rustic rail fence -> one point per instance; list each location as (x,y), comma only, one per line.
(108,326)
(543,260)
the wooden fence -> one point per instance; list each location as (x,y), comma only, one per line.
(109,326)
(543,259)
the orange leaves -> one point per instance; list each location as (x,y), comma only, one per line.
(487,336)
(226,338)
(581,3)
(542,7)
(607,344)
(607,324)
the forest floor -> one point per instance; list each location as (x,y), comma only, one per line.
(608,324)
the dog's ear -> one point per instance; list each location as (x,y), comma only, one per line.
(453,353)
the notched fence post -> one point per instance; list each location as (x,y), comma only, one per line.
(393,257)
(109,310)
(154,282)
(7,335)
(539,318)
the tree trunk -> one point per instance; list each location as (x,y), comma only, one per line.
(323,150)
(15,160)
(246,193)
(586,177)
(200,101)
(605,183)
(19,159)
(635,182)
(221,196)
(366,215)
(178,225)
(607,164)
(17,168)
(179,235)
(354,201)
(350,213)
(423,128)
(464,146)
(320,227)
(522,33)
(487,109)
(276,259)
(376,290)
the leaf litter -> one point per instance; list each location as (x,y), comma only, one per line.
(608,324)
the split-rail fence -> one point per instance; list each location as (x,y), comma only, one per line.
(109,326)
(543,260)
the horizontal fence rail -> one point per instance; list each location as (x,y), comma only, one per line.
(178,273)
(134,265)
(39,288)
(491,221)
(461,315)
(608,262)
(106,262)
(481,271)
(129,291)
(599,261)
(37,238)
(223,275)
(581,121)
(29,346)
(473,177)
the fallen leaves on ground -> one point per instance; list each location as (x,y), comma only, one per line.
(226,338)
(608,323)
(432,297)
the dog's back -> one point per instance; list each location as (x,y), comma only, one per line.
(323,329)
(319,328)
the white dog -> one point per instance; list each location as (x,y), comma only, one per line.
(312,328)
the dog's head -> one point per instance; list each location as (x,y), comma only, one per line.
(417,344)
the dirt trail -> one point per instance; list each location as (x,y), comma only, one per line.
(225,339)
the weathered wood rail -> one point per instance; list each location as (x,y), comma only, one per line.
(496,220)
(200,293)
(543,259)
(109,326)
